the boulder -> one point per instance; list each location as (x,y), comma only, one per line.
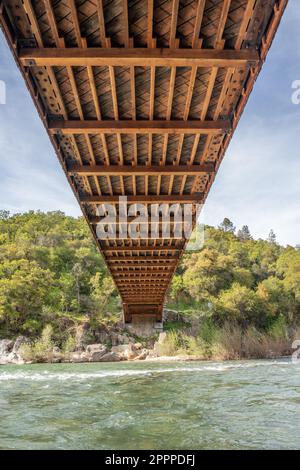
(20,341)
(79,356)
(96,351)
(142,355)
(97,347)
(126,351)
(7,355)
(6,346)
(110,357)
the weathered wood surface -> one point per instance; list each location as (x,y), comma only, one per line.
(140,98)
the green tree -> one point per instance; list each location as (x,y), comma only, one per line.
(271,237)
(227,226)
(244,233)
(24,289)
(240,304)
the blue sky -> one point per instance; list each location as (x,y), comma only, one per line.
(258,183)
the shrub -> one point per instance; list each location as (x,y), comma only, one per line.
(42,349)
(70,344)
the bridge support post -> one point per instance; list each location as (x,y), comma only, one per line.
(143,320)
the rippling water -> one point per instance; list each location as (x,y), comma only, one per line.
(202,405)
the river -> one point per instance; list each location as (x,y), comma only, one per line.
(144,405)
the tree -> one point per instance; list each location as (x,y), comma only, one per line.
(24,289)
(271,237)
(4,215)
(244,233)
(177,288)
(227,226)
(102,289)
(240,304)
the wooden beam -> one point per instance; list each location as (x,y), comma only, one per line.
(145,199)
(143,57)
(141,267)
(140,273)
(140,301)
(138,127)
(140,248)
(141,170)
(146,259)
(98,220)
(143,278)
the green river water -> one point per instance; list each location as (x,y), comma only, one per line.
(175,405)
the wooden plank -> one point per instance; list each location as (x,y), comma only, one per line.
(117,222)
(143,57)
(138,127)
(142,267)
(144,259)
(144,199)
(144,275)
(144,248)
(141,170)
(198,22)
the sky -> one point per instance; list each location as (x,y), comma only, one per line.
(258,183)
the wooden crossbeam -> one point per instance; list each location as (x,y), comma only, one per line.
(141,170)
(143,57)
(122,281)
(103,221)
(140,248)
(141,267)
(147,300)
(145,259)
(144,199)
(140,272)
(159,236)
(116,126)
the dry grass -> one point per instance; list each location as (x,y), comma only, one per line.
(231,343)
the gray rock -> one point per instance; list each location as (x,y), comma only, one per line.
(110,357)
(96,356)
(93,348)
(11,358)
(6,346)
(20,341)
(79,356)
(126,351)
(142,355)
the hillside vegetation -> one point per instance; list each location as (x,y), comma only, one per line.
(52,274)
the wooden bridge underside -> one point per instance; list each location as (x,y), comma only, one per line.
(140,98)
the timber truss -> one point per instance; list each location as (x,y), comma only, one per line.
(140,98)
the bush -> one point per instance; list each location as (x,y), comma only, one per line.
(70,344)
(42,349)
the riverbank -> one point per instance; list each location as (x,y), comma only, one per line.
(227,343)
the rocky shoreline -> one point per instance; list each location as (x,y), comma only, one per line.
(126,349)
